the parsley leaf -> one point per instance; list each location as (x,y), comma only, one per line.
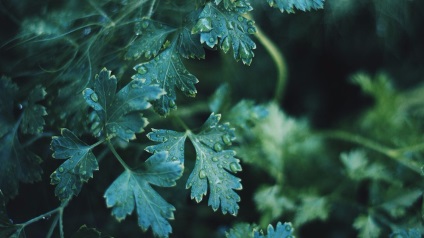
(189,45)
(241,230)
(367,226)
(212,163)
(281,231)
(119,112)
(33,121)
(77,169)
(132,189)
(240,6)
(231,28)
(168,71)
(16,163)
(150,38)
(290,5)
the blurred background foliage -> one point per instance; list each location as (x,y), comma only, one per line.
(336,156)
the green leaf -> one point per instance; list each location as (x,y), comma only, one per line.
(168,71)
(228,29)
(151,36)
(290,5)
(358,167)
(366,226)
(241,6)
(399,202)
(410,233)
(312,208)
(281,231)
(270,201)
(220,98)
(242,230)
(7,229)
(77,169)
(119,112)
(189,45)
(213,163)
(132,189)
(33,121)
(85,232)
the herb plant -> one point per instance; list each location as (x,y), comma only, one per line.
(103,103)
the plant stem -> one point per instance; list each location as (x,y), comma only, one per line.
(279,62)
(391,153)
(181,122)
(109,144)
(152,5)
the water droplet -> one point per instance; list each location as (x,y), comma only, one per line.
(215,159)
(211,40)
(61,169)
(225,46)
(226,139)
(171,104)
(87,31)
(174,158)
(94,97)
(202,174)
(202,25)
(20,106)
(251,30)
(134,85)
(217,147)
(240,18)
(288,227)
(84,172)
(145,24)
(235,167)
(141,70)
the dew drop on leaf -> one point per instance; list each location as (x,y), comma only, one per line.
(141,70)
(240,18)
(145,24)
(251,30)
(235,167)
(215,159)
(217,147)
(94,97)
(202,174)
(226,139)
(61,169)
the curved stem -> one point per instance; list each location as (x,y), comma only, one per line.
(389,152)
(279,62)
(152,5)
(109,144)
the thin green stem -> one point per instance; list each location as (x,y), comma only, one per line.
(118,157)
(278,59)
(152,5)
(181,122)
(52,226)
(391,153)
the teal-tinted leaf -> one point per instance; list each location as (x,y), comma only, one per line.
(290,5)
(150,38)
(213,163)
(77,169)
(312,208)
(171,141)
(241,6)
(271,201)
(119,112)
(242,230)
(32,120)
(168,71)
(281,231)
(7,228)
(85,232)
(397,204)
(366,226)
(189,45)
(132,189)
(16,163)
(410,233)
(229,30)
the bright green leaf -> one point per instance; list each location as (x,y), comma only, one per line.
(367,227)
(119,112)
(290,5)
(168,71)
(228,29)
(132,189)
(77,169)
(312,208)
(151,36)
(32,120)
